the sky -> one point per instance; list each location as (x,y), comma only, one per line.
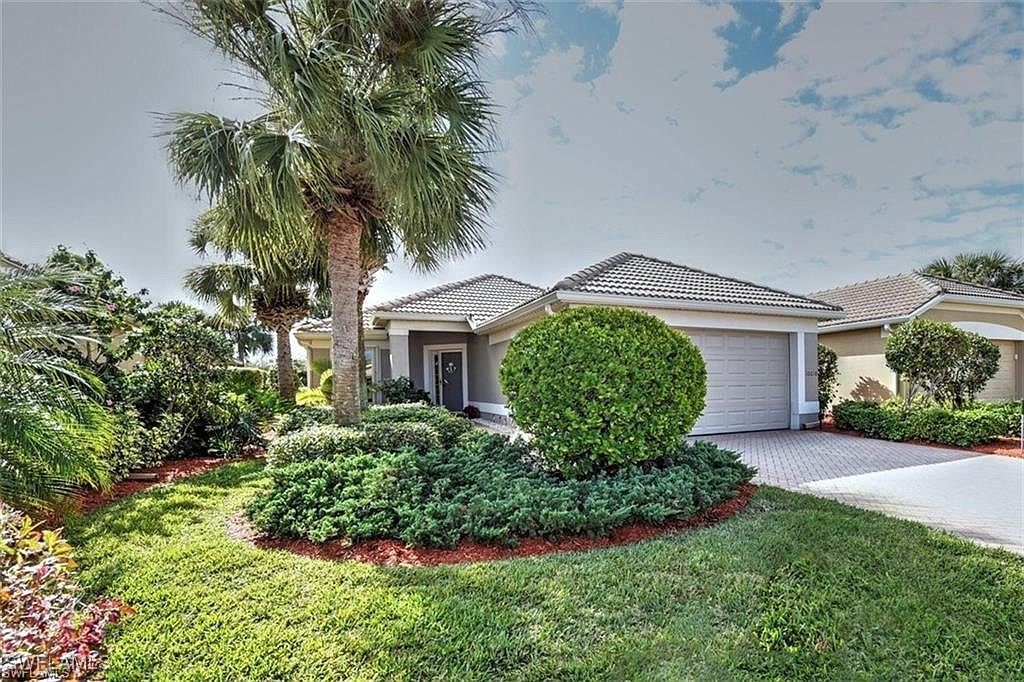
(802,146)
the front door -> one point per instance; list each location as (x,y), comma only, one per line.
(448,383)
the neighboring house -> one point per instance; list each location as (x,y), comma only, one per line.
(759,344)
(873,308)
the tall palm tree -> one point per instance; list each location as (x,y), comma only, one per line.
(53,431)
(375,122)
(991,268)
(275,289)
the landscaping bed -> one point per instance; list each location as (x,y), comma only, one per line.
(1008,446)
(929,422)
(396,553)
(792,587)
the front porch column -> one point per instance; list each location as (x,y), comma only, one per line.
(803,379)
(398,341)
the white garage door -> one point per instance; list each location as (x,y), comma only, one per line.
(1000,386)
(748,380)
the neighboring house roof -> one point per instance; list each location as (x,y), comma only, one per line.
(898,297)
(313,324)
(477,299)
(635,275)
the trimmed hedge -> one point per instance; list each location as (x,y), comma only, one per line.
(602,387)
(332,442)
(893,420)
(485,489)
(301,416)
(449,426)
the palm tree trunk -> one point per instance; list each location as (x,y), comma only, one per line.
(344,235)
(364,393)
(285,373)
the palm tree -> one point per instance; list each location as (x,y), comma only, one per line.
(248,337)
(53,432)
(277,292)
(375,125)
(991,269)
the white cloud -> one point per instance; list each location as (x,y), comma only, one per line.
(712,191)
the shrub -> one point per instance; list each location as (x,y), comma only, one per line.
(316,442)
(46,630)
(828,377)
(922,420)
(485,489)
(948,363)
(1008,413)
(327,384)
(310,396)
(449,426)
(401,390)
(302,416)
(246,379)
(134,446)
(391,437)
(599,387)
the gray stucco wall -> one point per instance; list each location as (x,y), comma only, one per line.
(419,339)
(811,360)
(484,361)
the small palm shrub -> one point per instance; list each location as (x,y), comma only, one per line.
(603,387)
(310,396)
(485,489)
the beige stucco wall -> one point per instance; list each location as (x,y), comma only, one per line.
(955,313)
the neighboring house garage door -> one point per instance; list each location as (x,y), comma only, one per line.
(748,380)
(1000,387)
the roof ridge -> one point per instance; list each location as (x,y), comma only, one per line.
(736,279)
(997,290)
(591,271)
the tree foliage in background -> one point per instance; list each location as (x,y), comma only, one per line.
(991,269)
(603,387)
(828,377)
(278,292)
(374,129)
(949,364)
(52,428)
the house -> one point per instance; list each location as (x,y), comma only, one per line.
(875,307)
(759,344)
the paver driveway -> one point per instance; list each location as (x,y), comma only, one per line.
(978,497)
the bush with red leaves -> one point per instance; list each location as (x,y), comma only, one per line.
(47,631)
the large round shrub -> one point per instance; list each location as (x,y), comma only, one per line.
(599,387)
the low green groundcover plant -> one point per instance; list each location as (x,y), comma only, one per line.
(303,416)
(601,387)
(450,427)
(487,489)
(929,421)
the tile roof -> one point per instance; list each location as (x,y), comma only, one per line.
(898,296)
(630,274)
(479,298)
(313,324)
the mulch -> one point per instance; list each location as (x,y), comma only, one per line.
(396,553)
(1004,445)
(171,470)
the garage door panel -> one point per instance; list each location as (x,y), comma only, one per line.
(1001,386)
(748,381)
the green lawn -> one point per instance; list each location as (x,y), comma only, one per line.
(795,587)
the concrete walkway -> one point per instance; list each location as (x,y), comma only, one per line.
(980,497)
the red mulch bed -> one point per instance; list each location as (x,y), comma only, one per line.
(1004,445)
(396,553)
(171,470)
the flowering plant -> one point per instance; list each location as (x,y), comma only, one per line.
(47,631)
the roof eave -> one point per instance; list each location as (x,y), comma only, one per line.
(683,304)
(511,315)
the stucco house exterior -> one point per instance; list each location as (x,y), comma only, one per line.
(875,307)
(759,343)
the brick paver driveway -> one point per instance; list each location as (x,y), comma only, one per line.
(790,458)
(980,497)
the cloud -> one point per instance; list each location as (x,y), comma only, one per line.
(754,37)
(556,133)
(807,224)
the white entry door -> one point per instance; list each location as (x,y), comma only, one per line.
(748,380)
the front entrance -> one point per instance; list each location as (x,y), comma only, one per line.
(445,368)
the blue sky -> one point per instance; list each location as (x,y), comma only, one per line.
(800,145)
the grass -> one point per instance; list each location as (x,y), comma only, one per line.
(794,587)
